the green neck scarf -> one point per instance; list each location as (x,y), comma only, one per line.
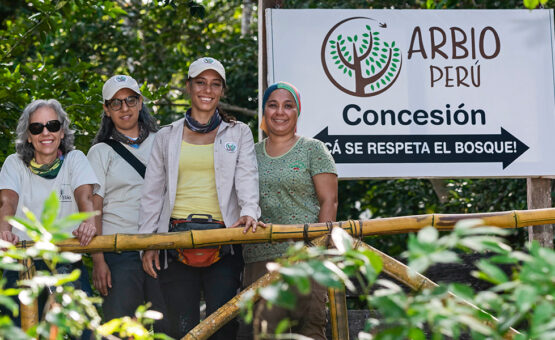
(48,171)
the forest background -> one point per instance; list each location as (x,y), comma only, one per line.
(67,49)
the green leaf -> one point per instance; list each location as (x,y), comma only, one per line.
(531,4)
(491,272)
(525,297)
(350,73)
(350,39)
(283,326)
(462,291)
(416,334)
(22,224)
(72,220)
(297,276)
(50,210)
(8,303)
(367,72)
(368,27)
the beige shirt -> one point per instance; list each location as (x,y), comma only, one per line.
(120,185)
(235,168)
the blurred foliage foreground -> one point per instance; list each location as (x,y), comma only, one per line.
(69,311)
(522,299)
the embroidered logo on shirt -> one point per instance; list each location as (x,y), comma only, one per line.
(230,147)
(297,166)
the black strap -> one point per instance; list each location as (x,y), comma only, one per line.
(128,156)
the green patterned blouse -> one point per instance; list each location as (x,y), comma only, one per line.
(287,194)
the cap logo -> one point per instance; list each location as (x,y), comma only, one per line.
(208,60)
(121,78)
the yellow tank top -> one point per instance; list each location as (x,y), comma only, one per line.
(196,182)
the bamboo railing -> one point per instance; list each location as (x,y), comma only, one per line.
(279,233)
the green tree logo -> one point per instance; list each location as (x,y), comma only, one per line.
(360,63)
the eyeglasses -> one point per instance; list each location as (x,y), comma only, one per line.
(202,84)
(52,126)
(116,104)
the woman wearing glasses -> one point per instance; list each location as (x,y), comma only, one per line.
(203,163)
(126,124)
(45,161)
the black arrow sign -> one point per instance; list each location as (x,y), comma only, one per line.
(503,147)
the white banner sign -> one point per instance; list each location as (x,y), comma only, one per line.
(416,93)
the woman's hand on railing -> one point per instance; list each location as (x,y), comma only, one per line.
(249,223)
(150,256)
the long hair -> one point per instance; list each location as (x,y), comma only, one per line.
(107,125)
(23,148)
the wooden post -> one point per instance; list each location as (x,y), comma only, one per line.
(262,56)
(338,314)
(29,313)
(539,196)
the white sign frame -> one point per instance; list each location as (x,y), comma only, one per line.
(295,46)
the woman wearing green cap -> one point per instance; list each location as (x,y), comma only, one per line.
(298,184)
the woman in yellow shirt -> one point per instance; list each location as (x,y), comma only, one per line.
(203,163)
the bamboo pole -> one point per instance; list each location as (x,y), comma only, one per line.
(279,233)
(29,313)
(230,310)
(339,321)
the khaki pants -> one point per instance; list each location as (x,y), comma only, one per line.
(308,317)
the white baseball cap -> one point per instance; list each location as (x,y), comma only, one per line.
(118,82)
(206,63)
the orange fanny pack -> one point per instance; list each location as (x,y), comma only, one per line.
(198,257)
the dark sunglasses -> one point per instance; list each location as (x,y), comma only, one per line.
(116,104)
(52,126)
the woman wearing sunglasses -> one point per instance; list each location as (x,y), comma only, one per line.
(204,163)
(45,161)
(126,122)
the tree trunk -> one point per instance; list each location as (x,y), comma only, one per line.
(539,196)
(246,20)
